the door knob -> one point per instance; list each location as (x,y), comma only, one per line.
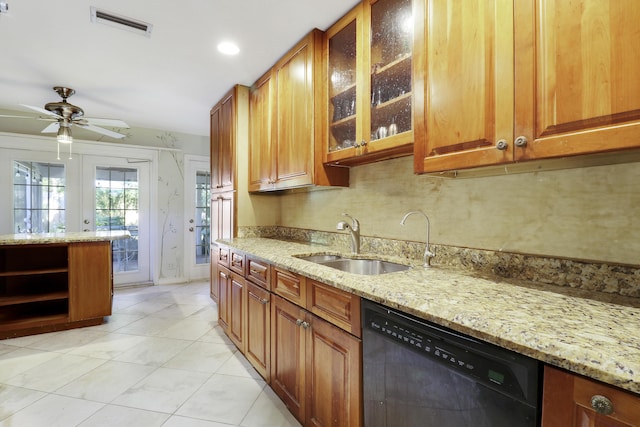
(86,221)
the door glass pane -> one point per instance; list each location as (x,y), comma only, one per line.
(202,217)
(39,197)
(342,88)
(116,208)
(391,49)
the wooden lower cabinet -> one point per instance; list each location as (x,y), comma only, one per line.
(334,377)
(224,287)
(569,400)
(90,280)
(300,335)
(315,367)
(288,367)
(258,329)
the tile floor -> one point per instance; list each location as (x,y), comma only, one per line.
(159,360)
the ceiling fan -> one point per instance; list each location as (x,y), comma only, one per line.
(64,115)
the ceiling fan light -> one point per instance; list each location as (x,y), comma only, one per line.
(64,135)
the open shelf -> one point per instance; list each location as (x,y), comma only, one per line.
(25,299)
(54,286)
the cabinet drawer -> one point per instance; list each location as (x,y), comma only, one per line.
(223,256)
(334,305)
(258,272)
(236,262)
(289,285)
(566,401)
(626,406)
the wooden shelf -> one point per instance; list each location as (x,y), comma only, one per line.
(33,272)
(25,299)
(34,321)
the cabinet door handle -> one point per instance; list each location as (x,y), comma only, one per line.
(306,325)
(298,322)
(224,275)
(601,404)
(502,145)
(264,301)
(521,141)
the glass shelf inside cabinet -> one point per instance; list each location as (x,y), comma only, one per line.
(391,43)
(342,88)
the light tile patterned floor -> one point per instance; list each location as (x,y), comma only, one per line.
(159,360)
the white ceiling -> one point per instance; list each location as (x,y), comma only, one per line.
(168,81)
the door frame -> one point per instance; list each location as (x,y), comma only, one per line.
(192,164)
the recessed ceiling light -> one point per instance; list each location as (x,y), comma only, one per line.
(228,48)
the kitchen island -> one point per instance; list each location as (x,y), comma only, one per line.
(55,281)
(589,333)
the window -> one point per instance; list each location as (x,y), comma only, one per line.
(39,197)
(117,194)
(203,216)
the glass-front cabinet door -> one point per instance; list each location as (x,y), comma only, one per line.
(391,43)
(345,94)
(369,53)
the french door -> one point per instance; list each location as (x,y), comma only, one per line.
(115,196)
(197,211)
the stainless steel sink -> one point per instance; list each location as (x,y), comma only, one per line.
(365,266)
(320,258)
(356,266)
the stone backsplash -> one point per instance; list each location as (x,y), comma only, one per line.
(592,276)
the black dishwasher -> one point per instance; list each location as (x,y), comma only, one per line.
(416,373)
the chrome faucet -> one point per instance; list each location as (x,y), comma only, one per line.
(427,252)
(354,230)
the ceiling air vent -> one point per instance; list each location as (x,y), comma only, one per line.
(119,21)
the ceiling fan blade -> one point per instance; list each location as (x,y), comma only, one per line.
(52,128)
(43,111)
(97,129)
(16,117)
(114,123)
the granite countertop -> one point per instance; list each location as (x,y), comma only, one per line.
(44,238)
(589,333)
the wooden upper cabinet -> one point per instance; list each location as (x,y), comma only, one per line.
(294,114)
(261,157)
(223,216)
(223,142)
(584,61)
(369,83)
(286,123)
(464,84)
(498,81)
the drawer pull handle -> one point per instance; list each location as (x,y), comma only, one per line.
(601,404)
(502,145)
(521,141)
